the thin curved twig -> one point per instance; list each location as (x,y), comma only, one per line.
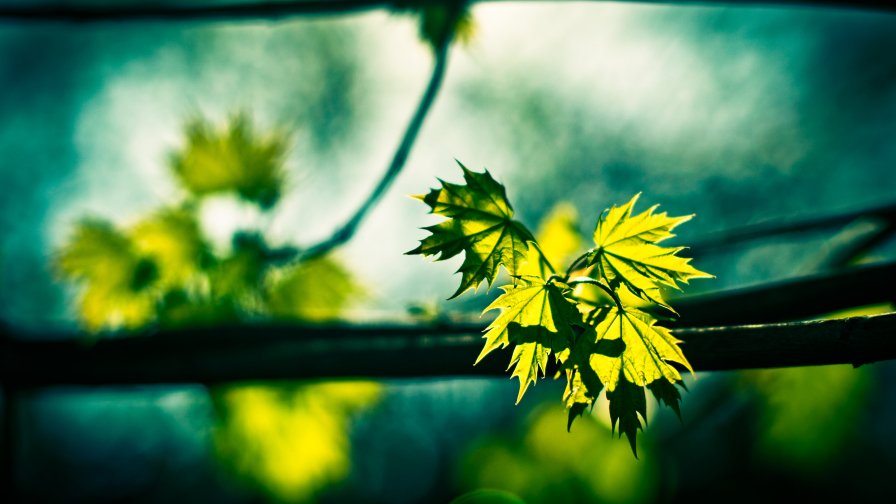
(345,232)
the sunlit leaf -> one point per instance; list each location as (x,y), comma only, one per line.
(235,159)
(649,351)
(667,393)
(480,224)
(627,253)
(535,317)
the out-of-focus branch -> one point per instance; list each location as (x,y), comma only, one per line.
(268,352)
(345,232)
(268,10)
(795,299)
(772,228)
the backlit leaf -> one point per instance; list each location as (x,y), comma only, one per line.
(480,224)
(649,350)
(627,403)
(626,252)
(535,316)
(171,237)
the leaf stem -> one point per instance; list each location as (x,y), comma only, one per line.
(572,267)
(606,288)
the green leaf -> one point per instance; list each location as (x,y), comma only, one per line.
(116,280)
(582,389)
(288,440)
(627,402)
(317,290)
(667,393)
(536,317)
(649,349)
(171,237)
(480,224)
(627,253)
(235,159)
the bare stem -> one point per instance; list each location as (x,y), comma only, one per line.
(606,288)
(345,232)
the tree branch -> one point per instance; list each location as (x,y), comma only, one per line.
(271,352)
(280,10)
(345,232)
(791,299)
(768,229)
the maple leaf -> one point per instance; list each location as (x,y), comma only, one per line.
(627,403)
(624,351)
(627,253)
(480,224)
(536,317)
(665,392)
(649,349)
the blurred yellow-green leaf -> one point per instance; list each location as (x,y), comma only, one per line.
(171,237)
(291,440)
(544,464)
(808,414)
(234,159)
(116,281)
(315,290)
(558,234)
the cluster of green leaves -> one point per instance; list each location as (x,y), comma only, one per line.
(288,440)
(163,269)
(598,317)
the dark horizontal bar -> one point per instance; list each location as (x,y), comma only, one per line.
(778,227)
(790,300)
(268,10)
(271,352)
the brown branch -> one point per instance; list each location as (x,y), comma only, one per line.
(267,10)
(218,355)
(795,299)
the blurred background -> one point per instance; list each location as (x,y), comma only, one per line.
(117,215)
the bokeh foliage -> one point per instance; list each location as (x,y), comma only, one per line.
(287,440)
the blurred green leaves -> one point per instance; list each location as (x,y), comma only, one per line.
(290,440)
(234,159)
(807,415)
(118,283)
(543,464)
